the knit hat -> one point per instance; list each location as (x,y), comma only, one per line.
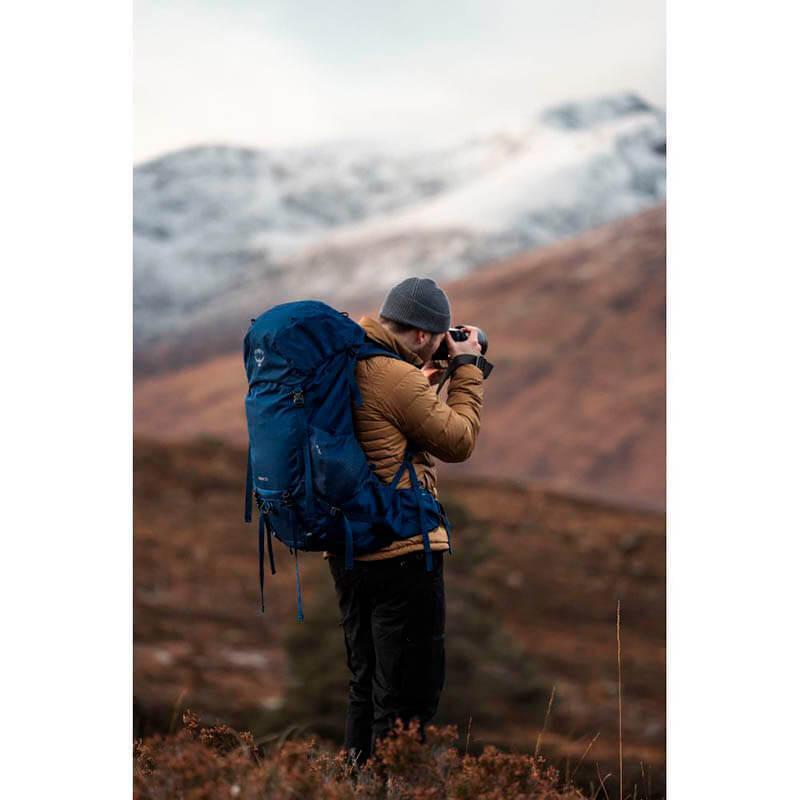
(420,303)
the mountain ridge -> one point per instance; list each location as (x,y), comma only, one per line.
(222,232)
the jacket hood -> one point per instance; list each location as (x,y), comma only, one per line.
(376,331)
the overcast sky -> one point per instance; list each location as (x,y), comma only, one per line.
(294,72)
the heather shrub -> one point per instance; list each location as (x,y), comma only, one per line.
(207,763)
(196,764)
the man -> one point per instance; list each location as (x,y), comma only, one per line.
(392,609)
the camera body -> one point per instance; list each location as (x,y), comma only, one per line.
(459,334)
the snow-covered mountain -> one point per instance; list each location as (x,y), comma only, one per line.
(220,233)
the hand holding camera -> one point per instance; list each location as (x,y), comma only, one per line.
(460,341)
(469,345)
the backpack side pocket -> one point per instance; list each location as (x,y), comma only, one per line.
(338,464)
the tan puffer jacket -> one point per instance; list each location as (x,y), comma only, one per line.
(401,404)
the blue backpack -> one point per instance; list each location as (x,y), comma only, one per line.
(306,470)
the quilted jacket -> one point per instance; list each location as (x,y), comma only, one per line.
(399,405)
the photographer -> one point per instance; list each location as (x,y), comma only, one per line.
(392,609)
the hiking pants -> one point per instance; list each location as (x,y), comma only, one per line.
(392,615)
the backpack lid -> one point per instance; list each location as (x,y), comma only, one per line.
(293,339)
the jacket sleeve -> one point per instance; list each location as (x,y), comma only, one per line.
(446,430)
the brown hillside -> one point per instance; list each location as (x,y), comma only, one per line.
(532,587)
(577,398)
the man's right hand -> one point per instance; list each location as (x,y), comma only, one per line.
(469,346)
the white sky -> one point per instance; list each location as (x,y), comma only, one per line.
(294,72)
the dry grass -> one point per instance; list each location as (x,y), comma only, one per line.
(619,697)
(544,724)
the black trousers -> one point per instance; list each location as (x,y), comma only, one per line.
(393,617)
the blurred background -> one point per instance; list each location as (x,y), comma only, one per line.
(516,153)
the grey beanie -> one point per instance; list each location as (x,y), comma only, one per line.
(420,303)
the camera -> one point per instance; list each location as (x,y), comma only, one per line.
(459,334)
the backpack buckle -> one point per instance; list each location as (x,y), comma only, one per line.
(297,398)
(264,506)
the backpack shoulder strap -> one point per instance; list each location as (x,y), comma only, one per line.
(367,349)
(371,348)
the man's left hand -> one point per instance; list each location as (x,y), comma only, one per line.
(432,373)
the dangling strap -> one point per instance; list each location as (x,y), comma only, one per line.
(299,593)
(297,581)
(423,527)
(261,527)
(269,547)
(248,489)
(264,529)
(348,543)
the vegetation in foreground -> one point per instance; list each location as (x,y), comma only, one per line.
(199,763)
